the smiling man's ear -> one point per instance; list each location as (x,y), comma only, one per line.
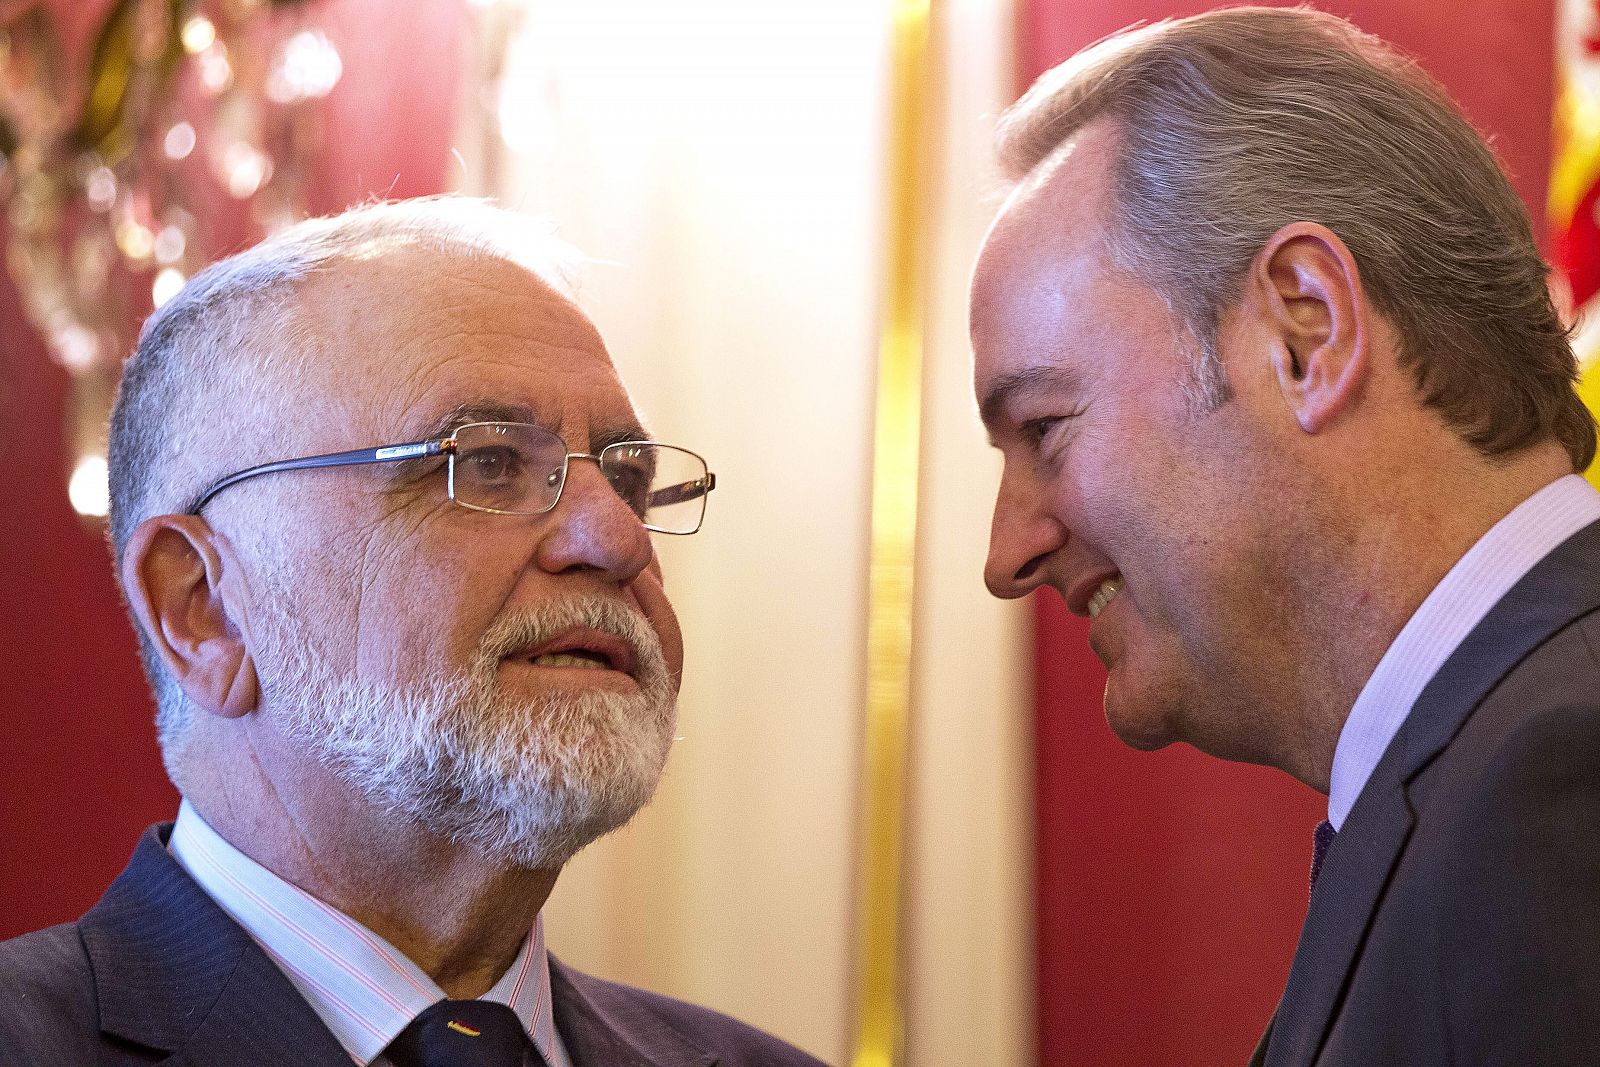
(173,571)
(1308,290)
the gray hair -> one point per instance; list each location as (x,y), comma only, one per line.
(1238,122)
(230,335)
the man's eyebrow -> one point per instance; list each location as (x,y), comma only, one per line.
(479,411)
(1030,380)
(600,440)
(491,411)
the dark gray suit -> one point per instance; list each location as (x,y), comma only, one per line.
(1457,917)
(157,973)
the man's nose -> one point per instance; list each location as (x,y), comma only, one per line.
(593,528)
(1022,536)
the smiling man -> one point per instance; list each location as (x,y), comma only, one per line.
(383,516)
(1265,342)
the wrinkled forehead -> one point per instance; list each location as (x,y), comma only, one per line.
(388,346)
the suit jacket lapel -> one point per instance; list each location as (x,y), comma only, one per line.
(596,1037)
(173,973)
(1354,872)
(1560,588)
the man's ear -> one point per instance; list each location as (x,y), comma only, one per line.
(1310,296)
(172,571)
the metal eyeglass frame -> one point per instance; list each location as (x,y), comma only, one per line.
(446,446)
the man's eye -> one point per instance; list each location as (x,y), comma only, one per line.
(632,484)
(492,464)
(1037,431)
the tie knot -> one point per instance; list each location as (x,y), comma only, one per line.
(461,1033)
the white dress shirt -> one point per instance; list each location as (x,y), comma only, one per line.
(362,987)
(1457,604)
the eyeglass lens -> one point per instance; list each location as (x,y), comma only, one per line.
(520,468)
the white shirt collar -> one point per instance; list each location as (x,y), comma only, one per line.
(1457,604)
(362,987)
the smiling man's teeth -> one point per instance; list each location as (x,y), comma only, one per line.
(562,659)
(1102,596)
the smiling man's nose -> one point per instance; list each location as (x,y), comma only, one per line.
(1021,536)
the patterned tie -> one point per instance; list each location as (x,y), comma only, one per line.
(464,1033)
(1321,838)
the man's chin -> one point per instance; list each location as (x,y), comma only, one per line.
(540,816)
(1143,741)
(550,846)
(1138,724)
(537,828)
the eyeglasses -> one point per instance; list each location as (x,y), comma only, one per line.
(516,468)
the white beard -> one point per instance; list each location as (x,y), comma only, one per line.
(526,782)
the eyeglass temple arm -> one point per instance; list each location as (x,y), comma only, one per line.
(677,494)
(384,454)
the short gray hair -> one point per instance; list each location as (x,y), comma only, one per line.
(220,343)
(1235,123)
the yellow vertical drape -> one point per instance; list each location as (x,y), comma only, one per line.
(896,447)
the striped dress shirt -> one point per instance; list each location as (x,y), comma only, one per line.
(362,987)
(1533,530)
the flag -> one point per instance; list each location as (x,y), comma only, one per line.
(1574,201)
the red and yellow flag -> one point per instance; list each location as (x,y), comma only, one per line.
(1574,203)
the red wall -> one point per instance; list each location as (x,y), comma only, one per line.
(79,771)
(1172,885)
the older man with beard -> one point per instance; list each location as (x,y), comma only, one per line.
(382,513)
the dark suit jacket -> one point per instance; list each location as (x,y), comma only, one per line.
(157,973)
(1457,917)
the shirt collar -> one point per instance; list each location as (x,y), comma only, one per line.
(364,989)
(1458,603)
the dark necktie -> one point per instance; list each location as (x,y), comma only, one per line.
(463,1033)
(1321,838)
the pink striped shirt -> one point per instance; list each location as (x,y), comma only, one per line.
(362,987)
(1459,602)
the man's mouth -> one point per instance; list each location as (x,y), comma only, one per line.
(1102,596)
(582,649)
(593,661)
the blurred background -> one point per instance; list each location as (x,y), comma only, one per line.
(896,829)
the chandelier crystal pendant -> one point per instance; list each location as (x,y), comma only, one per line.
(188,131)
